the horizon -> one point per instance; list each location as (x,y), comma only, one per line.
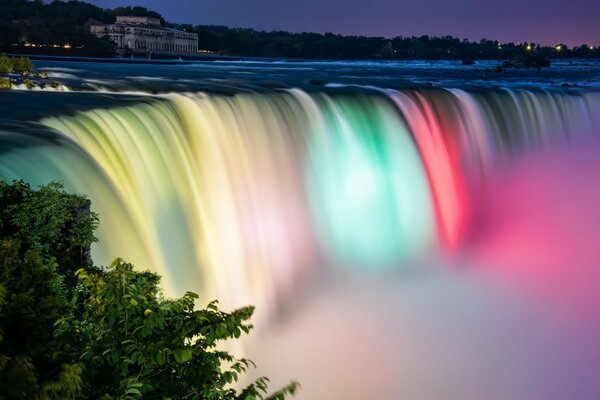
(555,22)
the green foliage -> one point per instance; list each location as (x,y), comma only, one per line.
(5,83)
(22,65)
(138,345)
(101,333)
(44,237)
(5,64)
(34,297)
(50,220)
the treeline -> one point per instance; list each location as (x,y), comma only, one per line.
(62,28)
(58,28)
(252,43)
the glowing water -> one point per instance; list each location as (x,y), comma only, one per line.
(245,198)
(241,198)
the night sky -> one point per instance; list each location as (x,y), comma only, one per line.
(541,21)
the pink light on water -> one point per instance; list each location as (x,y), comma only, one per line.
(437,149)
(540,227)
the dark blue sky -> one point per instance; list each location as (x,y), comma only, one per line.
(546,22)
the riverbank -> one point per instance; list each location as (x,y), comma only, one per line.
(157,60)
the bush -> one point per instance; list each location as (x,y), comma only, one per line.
(5,64)
(22,65)
(43,240)
(55,223)
(31,359)
(5,83)
(101,332)
(138,345)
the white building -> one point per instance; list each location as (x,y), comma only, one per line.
(145,35)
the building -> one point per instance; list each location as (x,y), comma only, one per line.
(145,35)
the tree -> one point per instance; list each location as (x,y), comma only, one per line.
(137,344)
(69,330)
(22,65)
(57,224)
(33,363)
(43,234)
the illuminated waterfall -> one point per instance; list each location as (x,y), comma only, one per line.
(241,198)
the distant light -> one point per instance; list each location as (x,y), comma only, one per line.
(558,48)
(67,46)
(529,47)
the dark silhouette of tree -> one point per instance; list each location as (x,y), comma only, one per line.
(23,21)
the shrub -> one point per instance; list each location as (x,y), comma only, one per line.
(5,64)
(29,84)
(5,83)
(138,345)
(22,65)
(101,333)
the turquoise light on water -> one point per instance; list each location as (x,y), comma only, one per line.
(368,189)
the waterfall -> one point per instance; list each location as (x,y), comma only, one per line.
(244,197)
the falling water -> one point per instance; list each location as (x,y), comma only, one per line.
(243,197)
(416,243)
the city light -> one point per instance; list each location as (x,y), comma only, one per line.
(55,45)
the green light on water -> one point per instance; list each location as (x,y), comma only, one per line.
(368,188)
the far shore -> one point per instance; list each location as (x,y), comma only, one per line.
(183,59)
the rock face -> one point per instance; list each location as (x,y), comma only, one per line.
(530,60)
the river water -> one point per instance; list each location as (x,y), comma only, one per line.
(417,230)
